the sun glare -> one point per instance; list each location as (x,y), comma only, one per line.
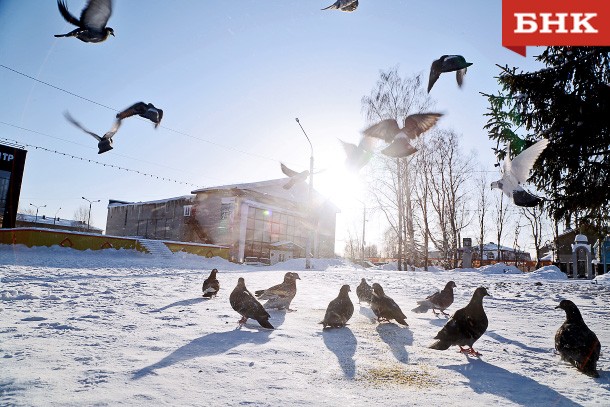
(344,188)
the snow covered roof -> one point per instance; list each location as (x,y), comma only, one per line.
(115,202)
(23,217)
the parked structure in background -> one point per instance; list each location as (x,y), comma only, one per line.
(601,253)
(260,220)
(42,221)
(12,163)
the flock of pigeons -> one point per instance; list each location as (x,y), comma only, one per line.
(91,27)
(574,341)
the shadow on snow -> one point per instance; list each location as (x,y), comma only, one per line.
(342,342)
(397,339)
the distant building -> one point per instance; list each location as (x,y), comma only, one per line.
(260,220)
(42,221)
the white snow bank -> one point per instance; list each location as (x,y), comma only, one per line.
(547,273)
(603,279)
(316,264)
(498,268)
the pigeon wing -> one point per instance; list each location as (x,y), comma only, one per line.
(434,75)
(63,9)
(77,124)
(136,108)
(333,6)
(96,14)
(459,76)
(416,124)
(522,164)
(385,130)
(287,171)
(113,130)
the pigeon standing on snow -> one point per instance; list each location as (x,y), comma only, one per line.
(440,300)
(517,171)
(465,326)
(247,306)
(385,308)
(343,5)
(575,342)
(145,110)
(364,291)
(105,142)
(295,177)
(92,22)
(339,310)
(448,63)
(389,131)
(211,285)
(280,296)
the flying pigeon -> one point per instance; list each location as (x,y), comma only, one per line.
(358,155)
(92,23)
(247,306)
(440,300)
(448,63)
(339,310)
(389,131)
(385,308)
(517,171)
(575,342)
(145,110)
(465,326)
(211,285)
(104,143)
(280,296)
(294,176)
(343,5)
(364,291)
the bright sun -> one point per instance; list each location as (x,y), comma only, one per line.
(344,188)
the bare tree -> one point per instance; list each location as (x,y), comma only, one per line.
(390,243)
(534,218)
(501,215)
(81,214)
(482,185)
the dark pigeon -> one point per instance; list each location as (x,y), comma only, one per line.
(343,5)
(448,63)
(247,306)
(281,295)
(385,308)
(92,22)
(575,342)
(465,326)
(211,285)
(440,300)
(294,176)
(364,291)
(339,310)
(105,142)
(145,110)
(398,138)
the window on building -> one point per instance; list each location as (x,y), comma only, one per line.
(187,210)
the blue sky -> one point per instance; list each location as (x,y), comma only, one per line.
(231,77)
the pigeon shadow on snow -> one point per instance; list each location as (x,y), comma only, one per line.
(368,313)
(342,342)
(522,390)
(182,303)
(208,345)
(507,341)
(397,339)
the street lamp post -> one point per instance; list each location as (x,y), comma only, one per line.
(89,217)
(37,207)
(55,218)
(363,230)
(309,204)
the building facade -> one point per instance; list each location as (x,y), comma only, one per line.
(255,220)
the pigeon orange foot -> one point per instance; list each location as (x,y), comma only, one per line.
(470,351)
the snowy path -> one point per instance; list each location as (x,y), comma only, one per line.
(117,328)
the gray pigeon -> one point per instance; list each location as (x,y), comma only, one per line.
(575,342)
(247,306)
(516,172)
(440,300)
(92,22)
(145,110)
(105,142)
(210,285)
(339,310)
(385,308)
(343,5)
(281,295)
(465,326)
(295,177)
(358,155)
(448,63)
(398,138)
(364,291)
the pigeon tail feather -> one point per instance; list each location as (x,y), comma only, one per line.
(440,345)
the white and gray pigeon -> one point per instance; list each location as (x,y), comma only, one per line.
(359,155)
(92,22)
(343,5)
(398,138)
(281,295)
(516,172)
(295,177)
(104,143)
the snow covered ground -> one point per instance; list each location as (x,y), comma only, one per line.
(122,328)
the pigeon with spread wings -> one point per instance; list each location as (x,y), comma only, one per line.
(105,142)
(343,5)
(92,22)
(145,110)
(448,63)
(358,155)
(516,172)
(294,176)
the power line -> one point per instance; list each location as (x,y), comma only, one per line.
(100,163)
